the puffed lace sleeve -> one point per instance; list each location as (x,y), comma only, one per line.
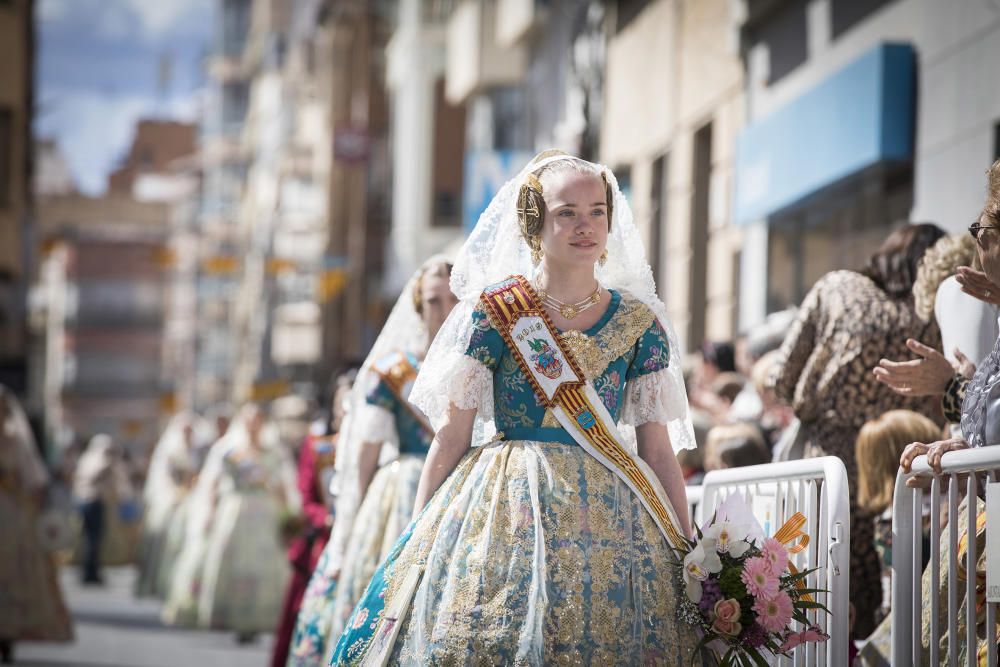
(460,365)
(376,419)
(653,393)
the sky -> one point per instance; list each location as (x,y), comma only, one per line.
(98,72)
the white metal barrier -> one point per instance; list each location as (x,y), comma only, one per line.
(907,557)
(817,488)
(694,495)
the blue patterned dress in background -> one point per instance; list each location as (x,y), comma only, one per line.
(381,518)
(533,551)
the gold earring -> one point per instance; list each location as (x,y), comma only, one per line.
(602,260)
(536,256)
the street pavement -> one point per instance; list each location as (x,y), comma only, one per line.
(113,629)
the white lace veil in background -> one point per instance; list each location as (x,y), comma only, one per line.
(404,331)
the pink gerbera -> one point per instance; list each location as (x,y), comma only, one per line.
(775,554)
(758,577)
(775,613)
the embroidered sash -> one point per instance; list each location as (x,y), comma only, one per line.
(399,374)
(516,312)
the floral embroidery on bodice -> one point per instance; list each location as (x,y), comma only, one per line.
(624,345)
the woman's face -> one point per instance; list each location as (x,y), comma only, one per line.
(988,246)
(436,300)
(188,431)
(255,423)
(575,230)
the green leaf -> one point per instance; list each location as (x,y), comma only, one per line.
(798,576)
(701,645)
(757,657)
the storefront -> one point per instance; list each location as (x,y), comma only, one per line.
(824,177)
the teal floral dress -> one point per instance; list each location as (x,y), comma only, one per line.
(532,551)
(381,518)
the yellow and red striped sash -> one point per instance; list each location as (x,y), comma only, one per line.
(399,374)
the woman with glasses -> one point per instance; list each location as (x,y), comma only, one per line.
(975,403)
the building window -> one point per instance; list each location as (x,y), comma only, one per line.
(6,154)
(996,140)
(837,228)
(628,10)
(658,216)
(449,152)
(784,32)
(623,175)
(845,14)
(700,198)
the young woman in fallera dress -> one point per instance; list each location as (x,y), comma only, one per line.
(374,506)
(554,536)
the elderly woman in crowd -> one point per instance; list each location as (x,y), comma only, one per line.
(973,404)
(847,322)
(980,410)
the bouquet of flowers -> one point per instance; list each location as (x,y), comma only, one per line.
(743,593)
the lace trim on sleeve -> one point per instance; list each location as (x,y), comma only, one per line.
(657,397)
(376,424)
(468,385)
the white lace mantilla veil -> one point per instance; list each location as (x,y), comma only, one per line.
(404,331)
(159,483)
(496,250)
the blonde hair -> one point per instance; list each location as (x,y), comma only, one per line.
(877,450)
(939,262)
(992,208)
(761,372)
(736,445)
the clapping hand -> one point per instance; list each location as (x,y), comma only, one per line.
(977,284)
(927,376)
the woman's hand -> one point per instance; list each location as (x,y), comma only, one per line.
(977,284)
(927,376)
(934,452)
(450,444)
(965,366)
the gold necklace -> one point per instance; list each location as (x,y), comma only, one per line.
(569,310)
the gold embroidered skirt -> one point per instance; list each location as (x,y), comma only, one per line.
(534,554)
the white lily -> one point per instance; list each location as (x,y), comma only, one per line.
(700,562)
(729,537)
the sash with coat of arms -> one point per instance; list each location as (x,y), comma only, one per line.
(517,314)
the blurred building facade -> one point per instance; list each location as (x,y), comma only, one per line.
(99,318)
(112,318)
(668,132)
(313,209)
(16,107)
(861,114)
(223,168)
(428,134)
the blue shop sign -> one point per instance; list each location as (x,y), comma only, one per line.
(858,117)
(485,173)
